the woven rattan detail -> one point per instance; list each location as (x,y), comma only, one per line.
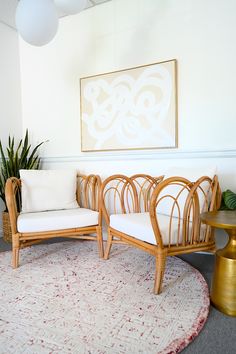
(7,234)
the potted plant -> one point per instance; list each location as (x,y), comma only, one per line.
(228,201)
(21,156)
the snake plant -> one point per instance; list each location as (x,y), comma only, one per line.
(16,157)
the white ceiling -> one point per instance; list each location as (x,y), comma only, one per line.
(8,8)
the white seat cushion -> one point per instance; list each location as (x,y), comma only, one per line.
(56,220)
(139,226)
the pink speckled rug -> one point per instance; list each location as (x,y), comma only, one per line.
(64,299)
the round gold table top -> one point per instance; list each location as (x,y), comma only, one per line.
(222,219)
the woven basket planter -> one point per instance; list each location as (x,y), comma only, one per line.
(7,234)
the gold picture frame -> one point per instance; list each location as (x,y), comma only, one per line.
(130,109)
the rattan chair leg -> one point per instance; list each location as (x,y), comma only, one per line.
(109,243)
(159,274)
(100,241)
(15,251)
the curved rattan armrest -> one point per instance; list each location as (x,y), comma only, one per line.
(145,185)
(88,193)
(118,195)
(191,199)
(157,196)
(123,194)
(216,201)
(88,189)
(12,193)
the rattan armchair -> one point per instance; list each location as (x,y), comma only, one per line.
(87,195)
(170,225)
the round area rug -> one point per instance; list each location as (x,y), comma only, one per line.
(64,299)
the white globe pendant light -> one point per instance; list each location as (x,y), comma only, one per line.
(71,7)
(36,21)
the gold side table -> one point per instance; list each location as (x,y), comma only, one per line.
(223,287)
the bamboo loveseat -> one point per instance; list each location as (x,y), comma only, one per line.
(161,218)
(83,222)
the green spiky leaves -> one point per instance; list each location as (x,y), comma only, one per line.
(16,157)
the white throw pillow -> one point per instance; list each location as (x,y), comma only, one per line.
(48,190)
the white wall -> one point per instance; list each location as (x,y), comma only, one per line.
(126,33)
(10,87)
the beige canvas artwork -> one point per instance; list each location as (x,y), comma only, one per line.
(130,109)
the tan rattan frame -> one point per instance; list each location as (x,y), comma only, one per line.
(192,236)
(88,188)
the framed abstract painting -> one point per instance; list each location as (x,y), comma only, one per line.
(130,109)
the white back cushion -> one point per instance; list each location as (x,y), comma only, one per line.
(48,190)
(174,191)
(192,173)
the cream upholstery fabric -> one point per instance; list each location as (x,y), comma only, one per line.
(139,226)
(174,191)
(48,190)
(191,173)
(56,220)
